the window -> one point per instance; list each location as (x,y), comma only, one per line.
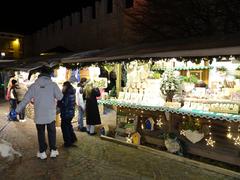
(109,6)
(129,3)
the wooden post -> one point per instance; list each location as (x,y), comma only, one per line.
(118,68)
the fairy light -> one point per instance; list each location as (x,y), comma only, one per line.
(229,134)
(183,132)
(237,139)
(209,140)
(129,138)
(142,126)
(159,122)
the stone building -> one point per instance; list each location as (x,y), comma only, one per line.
(103,25)
(11,46)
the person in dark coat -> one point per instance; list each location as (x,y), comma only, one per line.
(90,94)
(67,112)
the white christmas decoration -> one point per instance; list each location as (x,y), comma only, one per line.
(210,142)
(172,145)
(236,141)
(129,138)
(159,123)
(194,136)
(169,82)
(183,132)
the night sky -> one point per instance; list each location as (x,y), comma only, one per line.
(30,16)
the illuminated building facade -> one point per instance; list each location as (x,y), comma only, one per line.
(11,46)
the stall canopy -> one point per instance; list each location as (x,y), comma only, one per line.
(200,47)
(184,48)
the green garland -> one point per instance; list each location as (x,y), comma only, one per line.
(191,124)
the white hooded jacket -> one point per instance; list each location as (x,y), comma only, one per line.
(44,93)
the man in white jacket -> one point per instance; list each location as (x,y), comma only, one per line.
(44,93)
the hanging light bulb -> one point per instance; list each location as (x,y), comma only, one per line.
(209,140)
(229,134)
(236,141)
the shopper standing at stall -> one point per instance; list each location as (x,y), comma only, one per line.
(9,84)
(21,91)
(44,92)
(67,110)
(80,104)
(13,101)
(90,94)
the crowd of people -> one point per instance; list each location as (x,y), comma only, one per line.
(48,99)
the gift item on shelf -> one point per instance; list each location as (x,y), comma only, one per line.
(100,82)
(212,107)
(225,108)
(174,105)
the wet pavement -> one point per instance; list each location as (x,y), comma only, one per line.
(93,158)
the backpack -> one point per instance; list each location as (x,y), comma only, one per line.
(13,115)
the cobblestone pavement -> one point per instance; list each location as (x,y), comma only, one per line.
(92,159)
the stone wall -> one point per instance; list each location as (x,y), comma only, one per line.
(81,31)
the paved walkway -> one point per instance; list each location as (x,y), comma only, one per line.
(92,159)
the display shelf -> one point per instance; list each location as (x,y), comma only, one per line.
(184,68)
(194,113)
(209,101)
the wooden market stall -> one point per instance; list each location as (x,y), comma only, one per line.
(211,132)
(204,126)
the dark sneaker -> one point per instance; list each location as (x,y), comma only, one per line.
(69,145)
(92,134)
(83,129)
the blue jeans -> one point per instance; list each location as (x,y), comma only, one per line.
(80,117)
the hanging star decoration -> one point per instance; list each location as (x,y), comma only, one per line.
(229,135)
(159,123)
(129,138)
(210,142)
(236,141)
(183,132)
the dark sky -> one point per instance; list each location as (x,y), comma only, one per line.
(25,17)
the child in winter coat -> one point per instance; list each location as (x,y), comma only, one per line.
(67,112)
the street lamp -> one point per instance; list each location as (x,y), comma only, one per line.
(3,54)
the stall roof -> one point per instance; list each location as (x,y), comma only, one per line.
(122,54)
(6,60)
(185,48)
(48,59)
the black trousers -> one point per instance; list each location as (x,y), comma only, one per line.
(22,113)
(51,129)
(69,136)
